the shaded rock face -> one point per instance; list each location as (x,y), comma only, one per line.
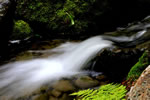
(141,90)
(116,63)
(7,8)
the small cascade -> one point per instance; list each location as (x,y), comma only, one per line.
(19,78)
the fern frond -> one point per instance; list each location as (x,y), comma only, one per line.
(106,92)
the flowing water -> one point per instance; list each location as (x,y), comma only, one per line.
(19,78)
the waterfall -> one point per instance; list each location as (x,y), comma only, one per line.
(21,77)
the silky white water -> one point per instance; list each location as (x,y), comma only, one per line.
(19,78)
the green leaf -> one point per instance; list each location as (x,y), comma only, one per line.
(106,92)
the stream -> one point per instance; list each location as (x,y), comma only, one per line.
(23,77)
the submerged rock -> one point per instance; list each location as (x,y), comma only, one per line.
(43,97)
(56,93)
(86,82)
(141,90)
(64,86)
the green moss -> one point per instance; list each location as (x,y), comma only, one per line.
(105,92)
(60,16)
(139,67)
(21,30)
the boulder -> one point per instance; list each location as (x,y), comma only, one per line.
(56,93)
(86,82)
(116,63)
(66,96)
(76,18)
(43,97)
(64,86)
(141,89)
(53,98)
(21,30)
(7,9)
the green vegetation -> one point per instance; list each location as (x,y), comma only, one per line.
(21,30)
(105,92)
(58,16)
(139,67)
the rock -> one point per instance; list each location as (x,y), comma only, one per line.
(101,77)
(53,13)
(65,96)
(116,63)
(53,98)
(23,56)
(104,83)
(35,97)
(21,30)
(56,93)
(4,6)
(141,89)
(139,67)
(7,9)
(86,82)
(64,86)
(43,97)
(71,14)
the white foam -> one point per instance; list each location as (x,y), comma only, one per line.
(19,78)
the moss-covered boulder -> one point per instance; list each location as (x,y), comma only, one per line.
(21,30)
(141,89)
(138,68)
(57,16)
(75,17)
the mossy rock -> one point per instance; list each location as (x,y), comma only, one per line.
(21,30)
(139,67)
(63,17)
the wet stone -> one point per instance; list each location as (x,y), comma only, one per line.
(64,86)
(56,93)
(86,82)
(43,97)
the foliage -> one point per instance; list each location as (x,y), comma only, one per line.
(138,68)
(21,30)
(57,15)
(105,92)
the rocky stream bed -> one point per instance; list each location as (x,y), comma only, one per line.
(36,35)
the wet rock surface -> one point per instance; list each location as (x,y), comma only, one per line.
(86,82)
(64,86)
(116,63)
(62,89)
